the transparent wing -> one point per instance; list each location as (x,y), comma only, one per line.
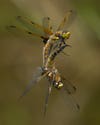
(47,98)
(44,39)
(69,89)
(69,99)
(37,76)
(50,85)
(67,20)
(47,25)
(33,24)
(24,30)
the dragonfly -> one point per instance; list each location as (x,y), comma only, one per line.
(55,80)
(47,29)
(54,43)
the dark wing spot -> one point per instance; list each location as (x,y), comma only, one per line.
(12,26)
(32,22)
(18,16)
(29,32)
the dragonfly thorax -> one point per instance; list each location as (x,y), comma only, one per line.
(55,78)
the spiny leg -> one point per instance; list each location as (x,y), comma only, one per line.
(59,46)
(55,53)
(66,54)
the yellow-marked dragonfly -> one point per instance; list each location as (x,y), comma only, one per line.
(54,43)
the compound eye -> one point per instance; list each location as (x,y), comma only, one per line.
(66,35)
(60,85)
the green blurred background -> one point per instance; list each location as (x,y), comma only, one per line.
(20,54)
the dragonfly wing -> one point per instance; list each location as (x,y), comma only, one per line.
(29,22)
(67,20)
(24,30)
(47,98)
(50,85)
(33,24)
(47,25)
(69,99)
(37,76)
(69,87)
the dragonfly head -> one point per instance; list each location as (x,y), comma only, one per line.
(62,35)
(58,85)
(66,35)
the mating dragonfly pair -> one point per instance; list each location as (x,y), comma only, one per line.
(54,43)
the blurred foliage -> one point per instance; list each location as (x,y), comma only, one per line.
(90,13)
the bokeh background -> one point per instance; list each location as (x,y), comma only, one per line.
(20,54)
